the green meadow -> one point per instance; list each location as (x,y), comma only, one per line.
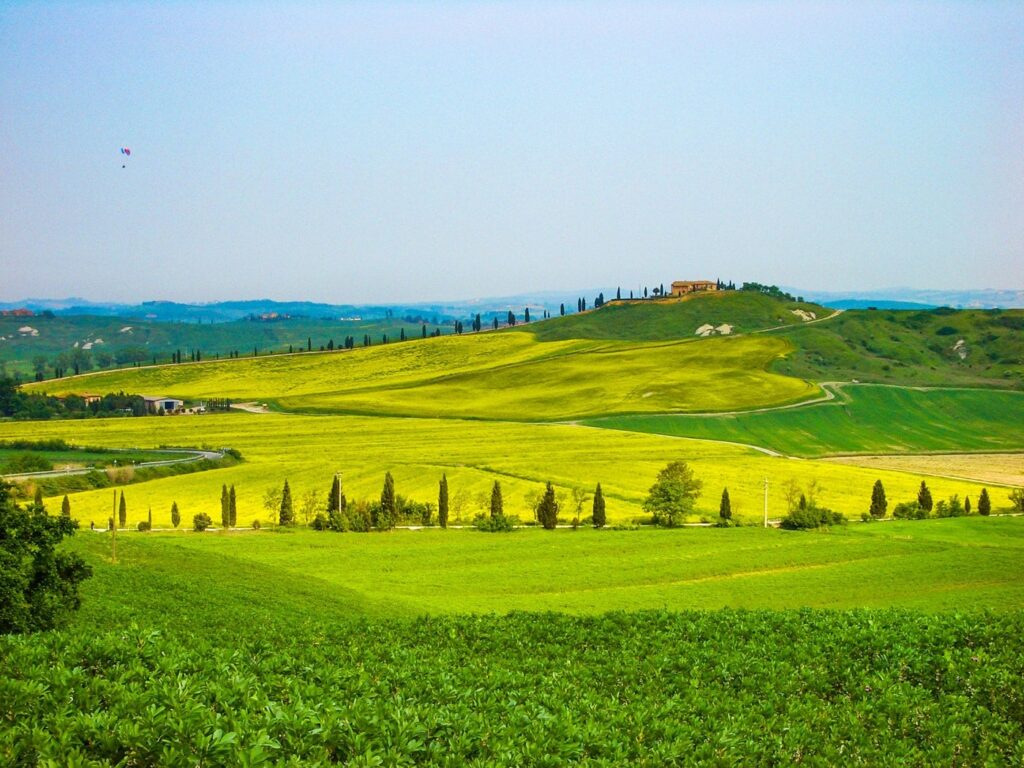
(862,419)
(952,564)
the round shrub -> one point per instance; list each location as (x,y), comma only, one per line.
(201,522)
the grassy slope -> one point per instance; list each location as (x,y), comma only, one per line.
(669,319)
(865,419)
(308,450)
(966,563)
(160,339)
(493,375)
(915,348)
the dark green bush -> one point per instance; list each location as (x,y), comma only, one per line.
(201,522)
(909,510)
(500,524)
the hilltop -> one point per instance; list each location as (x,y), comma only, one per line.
(679,318)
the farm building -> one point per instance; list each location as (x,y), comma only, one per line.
(682,287)
(164,404)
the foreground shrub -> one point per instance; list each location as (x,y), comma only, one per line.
(909,510)
(38,583)
(201,522)
(500,524)
(808,515)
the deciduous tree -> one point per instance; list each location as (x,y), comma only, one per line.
(673,495)
(38,581)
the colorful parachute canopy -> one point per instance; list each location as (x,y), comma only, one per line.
(126,151)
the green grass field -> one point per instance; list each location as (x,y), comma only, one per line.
(954,564)
(912,348)
(119,336)
(863,419)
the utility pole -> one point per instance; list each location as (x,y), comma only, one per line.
(113,530)
(766,502)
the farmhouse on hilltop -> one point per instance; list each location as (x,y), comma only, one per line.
(682,287)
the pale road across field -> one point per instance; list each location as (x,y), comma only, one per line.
(191,456)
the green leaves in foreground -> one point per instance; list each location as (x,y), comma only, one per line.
(724,688)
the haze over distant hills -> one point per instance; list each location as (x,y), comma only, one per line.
(222,311)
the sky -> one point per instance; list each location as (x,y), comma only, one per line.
(375,152)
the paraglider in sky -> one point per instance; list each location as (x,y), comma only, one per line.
(127,152)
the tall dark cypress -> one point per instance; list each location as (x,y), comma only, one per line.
(286,515)
(225,509)
(497,504)
(388,508)
(984,503)
(122,512)
(599,516)
(232,507)
(65,507)
(924,498)
(442,502)
(725,506)
(878,502)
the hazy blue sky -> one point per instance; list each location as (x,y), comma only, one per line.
(402,151)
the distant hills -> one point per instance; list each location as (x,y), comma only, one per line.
(915,298)
(226,311)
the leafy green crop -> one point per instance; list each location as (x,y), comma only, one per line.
(728,688)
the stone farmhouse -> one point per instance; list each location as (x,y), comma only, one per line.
(683,287)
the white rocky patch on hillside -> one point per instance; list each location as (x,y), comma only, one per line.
(126,329)
(710,330)
(804,315)
(961,349)
(28,330)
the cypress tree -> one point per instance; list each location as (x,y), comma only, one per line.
(388,508)
(225,510)
(497,505)
(526,315)
(334,497)
(878,502)
(442,502)
(725,506)
(967,505)
(286,516)
(175,514)
(232,507)
(37,501)
(547,510)
(424,330)
(495,322)
(149,518)
(618,294)
(122,512)
(599,517)
(924,498)
(65,507)
(561,310)
(984,503)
